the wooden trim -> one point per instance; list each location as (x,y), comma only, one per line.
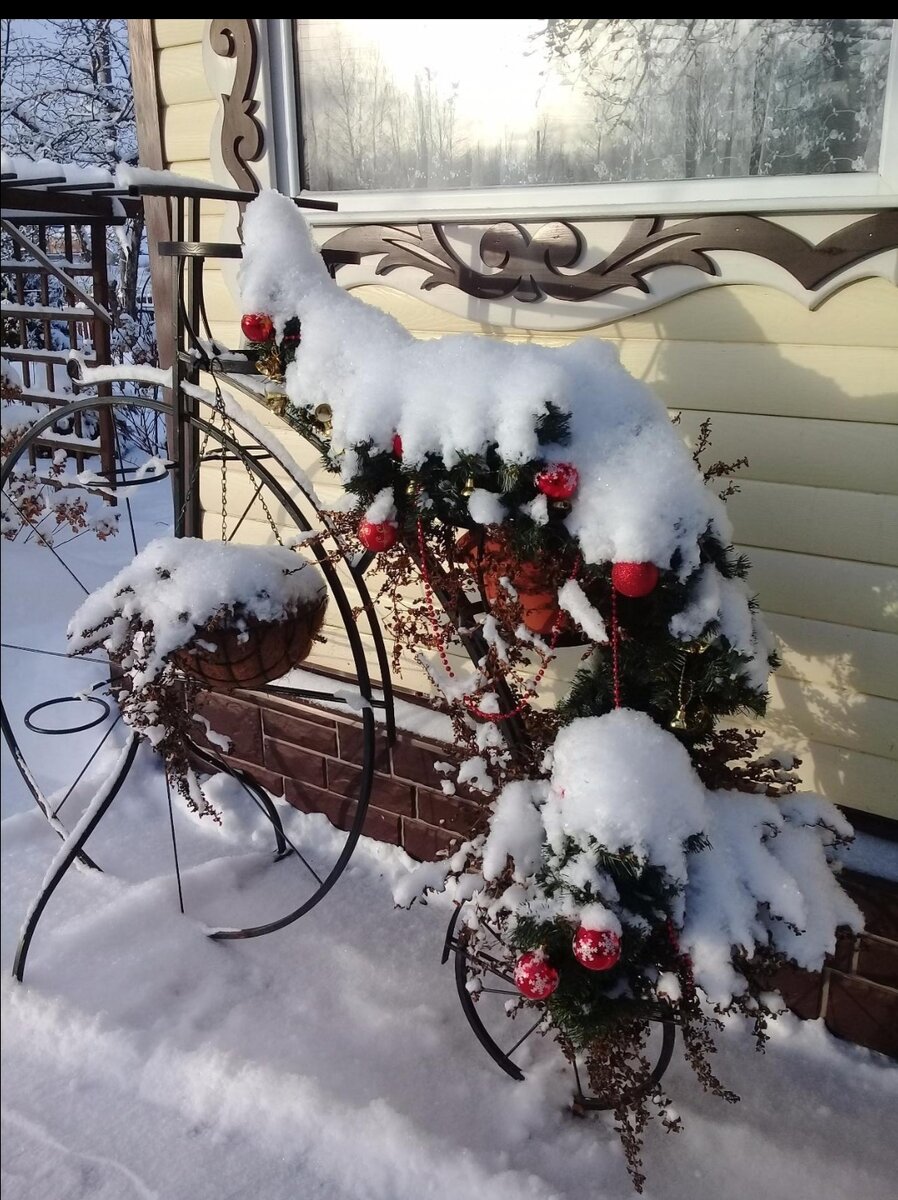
(533,267)
(242,134)
(147,105)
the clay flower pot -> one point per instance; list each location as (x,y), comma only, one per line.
(493,559)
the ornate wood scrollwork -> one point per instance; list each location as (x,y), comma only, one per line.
(242,136)
(530,267)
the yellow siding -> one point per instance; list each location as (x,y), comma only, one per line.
(810,397)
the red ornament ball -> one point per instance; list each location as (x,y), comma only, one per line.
(397,446)
(596,949)
(257,327)
(377,535)
(534,977)
(634,579)
(558,482)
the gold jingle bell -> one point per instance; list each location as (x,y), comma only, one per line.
(324,415)
(468,487)
(277,402)
(270,365)
(678,720)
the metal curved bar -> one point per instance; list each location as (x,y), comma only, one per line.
(72,851)
(88,403)
(262,798)
(29,724)
(339,866)
(505,1063)
(469,1008)
(380,649)
(31,783)
(287,502)
(668,1041)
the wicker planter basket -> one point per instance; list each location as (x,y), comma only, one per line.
(224,658)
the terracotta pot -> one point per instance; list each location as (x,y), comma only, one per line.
(538,597)
(251,657)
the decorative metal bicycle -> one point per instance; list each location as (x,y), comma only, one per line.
(196,428)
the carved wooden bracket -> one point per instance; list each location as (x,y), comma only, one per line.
(242,136)
(530,267)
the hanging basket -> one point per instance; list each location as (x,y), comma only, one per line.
(493,560)
(225,657)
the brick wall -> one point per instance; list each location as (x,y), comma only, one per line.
(856,993)
(312,757)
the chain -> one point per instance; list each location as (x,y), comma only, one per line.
(615,649)
(228,430)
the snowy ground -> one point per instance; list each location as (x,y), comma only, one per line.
(330,1061)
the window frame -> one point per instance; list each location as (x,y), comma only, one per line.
(848,191)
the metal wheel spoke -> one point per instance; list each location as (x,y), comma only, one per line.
(290,843)
(174,840)
(81,773)
(52,653)
(245,513)
(497,992)
(47,543)
(491,966)
(521,1040)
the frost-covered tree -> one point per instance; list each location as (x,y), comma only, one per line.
(736,96)
(67,97)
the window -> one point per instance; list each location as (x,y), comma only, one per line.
(424,105)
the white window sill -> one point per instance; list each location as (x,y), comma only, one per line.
(862,192)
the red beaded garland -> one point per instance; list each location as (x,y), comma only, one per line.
(257,327)
(377,535)
(596,949)
(558,482)
(634,579)
(534,977)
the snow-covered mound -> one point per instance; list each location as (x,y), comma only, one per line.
(749,871)
(640,498)
(176,585)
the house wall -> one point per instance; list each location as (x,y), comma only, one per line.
(810,397)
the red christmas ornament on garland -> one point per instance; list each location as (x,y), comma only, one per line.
(596,949)
(558,482)
(397,446)
(534,977)
(634,579)
(377,535)
(257,327)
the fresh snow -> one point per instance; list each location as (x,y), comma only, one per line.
(627,783)
(485,507)
(382,510)
(640,497)
(176,585)
(330,1061)
(121,373)
(572,599)
(761,871)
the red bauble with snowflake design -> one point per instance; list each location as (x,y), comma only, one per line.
(634,579)
(257,327)
(534,977)
(377,535)
(558,482)
(596,949)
